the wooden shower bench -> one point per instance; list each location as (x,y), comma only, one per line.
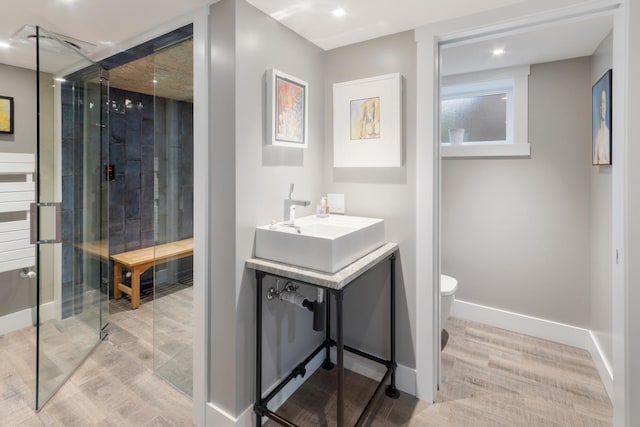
(140,260)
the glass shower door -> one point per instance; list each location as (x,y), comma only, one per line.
(173,215)
(69,220)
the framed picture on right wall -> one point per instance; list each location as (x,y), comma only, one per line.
(367,122)
(601,121)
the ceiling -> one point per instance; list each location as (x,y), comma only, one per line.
(547,43)
(103,24)
(102,27)
(106,25)
(167,73)
(366,19)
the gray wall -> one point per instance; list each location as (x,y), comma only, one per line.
(223,388)
(20,83)
(249,183)
(515,232)
(16,293)
(387,193)
(601,249)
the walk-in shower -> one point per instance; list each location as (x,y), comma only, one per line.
(94,169)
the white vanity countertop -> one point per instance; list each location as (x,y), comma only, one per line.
(336,280)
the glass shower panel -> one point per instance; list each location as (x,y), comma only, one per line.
(173,214)
(70,220)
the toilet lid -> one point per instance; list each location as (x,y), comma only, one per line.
(448,285)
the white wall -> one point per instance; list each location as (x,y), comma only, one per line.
(387,193)
(249,183)
(515,232)
(600,225)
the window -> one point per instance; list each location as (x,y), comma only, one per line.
(485,114)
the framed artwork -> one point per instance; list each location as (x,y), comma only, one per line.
(287,110)
(367,122)
(601,121)
(6,114)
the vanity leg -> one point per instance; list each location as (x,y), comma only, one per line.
(258,407)
(327,364)
(392,391)
(339,358)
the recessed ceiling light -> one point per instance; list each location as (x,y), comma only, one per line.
(59,79)
(4,45)
(339,12)
(498,51)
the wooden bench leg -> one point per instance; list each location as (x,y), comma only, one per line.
(135,288)
(117,276)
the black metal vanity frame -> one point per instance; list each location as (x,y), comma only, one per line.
(260,406)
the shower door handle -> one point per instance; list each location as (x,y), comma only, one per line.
(34,211)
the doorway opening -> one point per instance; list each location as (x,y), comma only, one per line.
(517,206)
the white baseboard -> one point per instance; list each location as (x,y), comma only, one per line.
(539,328)
(523,324)
(602,364)
(405,377)
(14,321)
(49,311)
(405,381)
(23,318)
(295,383)
(217,417)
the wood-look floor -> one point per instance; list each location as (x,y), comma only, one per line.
(490,377)
(160,332)
(115,386)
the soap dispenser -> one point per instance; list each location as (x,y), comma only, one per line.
(323,208)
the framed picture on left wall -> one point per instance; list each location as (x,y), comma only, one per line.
(6,114)
(287,110)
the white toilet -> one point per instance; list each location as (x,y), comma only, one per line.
(448,287)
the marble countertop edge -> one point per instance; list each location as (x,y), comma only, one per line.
(336,280)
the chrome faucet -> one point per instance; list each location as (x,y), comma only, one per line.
(291,202)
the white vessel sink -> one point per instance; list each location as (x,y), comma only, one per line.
(324,244)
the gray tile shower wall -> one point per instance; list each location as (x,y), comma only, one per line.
(143,129)
(150,140)
(72,171)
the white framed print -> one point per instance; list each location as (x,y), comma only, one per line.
(367,122)
(287,110)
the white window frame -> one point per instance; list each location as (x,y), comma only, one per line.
(515,82)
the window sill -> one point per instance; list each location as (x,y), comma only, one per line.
(479,150)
